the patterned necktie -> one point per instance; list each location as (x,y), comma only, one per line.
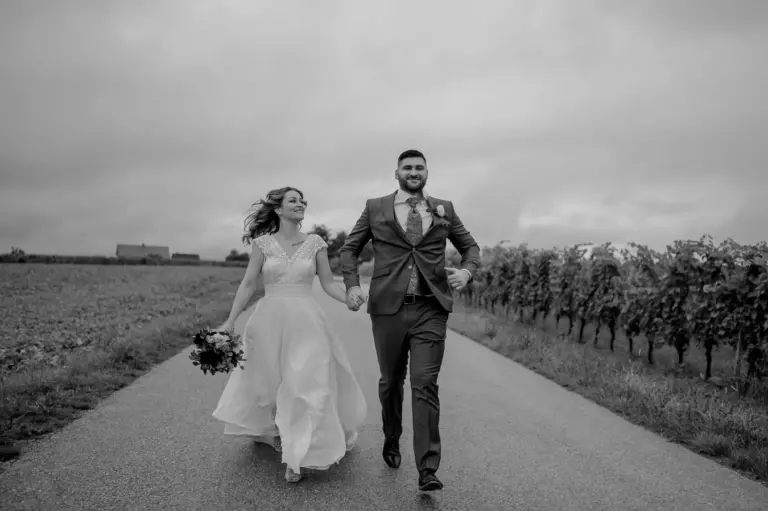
(414,231)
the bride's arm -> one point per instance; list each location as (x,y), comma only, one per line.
(332,288)
(248,285)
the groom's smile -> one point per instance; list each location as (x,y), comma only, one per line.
(412,174)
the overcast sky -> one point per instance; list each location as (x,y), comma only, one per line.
(547,122)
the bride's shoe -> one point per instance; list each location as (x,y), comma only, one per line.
(293,477)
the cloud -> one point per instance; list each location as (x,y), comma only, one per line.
(547,122)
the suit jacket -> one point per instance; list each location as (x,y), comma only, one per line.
(393,253)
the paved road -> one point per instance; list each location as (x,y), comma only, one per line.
(512,440)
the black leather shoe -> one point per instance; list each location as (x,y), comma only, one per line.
(391,453)
(429,482)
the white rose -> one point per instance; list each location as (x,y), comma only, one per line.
(440,210)
(219,340)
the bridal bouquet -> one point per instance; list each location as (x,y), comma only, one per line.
(217,351)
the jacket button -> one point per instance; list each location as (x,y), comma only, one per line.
(410,266)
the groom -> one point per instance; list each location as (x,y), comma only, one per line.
(410,299)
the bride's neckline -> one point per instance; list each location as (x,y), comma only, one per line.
(298,246)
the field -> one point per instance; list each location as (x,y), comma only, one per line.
(73,334)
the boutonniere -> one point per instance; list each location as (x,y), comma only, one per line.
(438,211)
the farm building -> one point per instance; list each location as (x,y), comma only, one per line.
(139,251)
(185,257)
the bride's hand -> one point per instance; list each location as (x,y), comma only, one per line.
(363,299)
(226,327)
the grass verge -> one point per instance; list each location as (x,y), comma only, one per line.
(707,420)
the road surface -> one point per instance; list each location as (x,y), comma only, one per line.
(512,440)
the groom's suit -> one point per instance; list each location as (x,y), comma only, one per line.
(407,316)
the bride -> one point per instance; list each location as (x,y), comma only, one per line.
(297,391)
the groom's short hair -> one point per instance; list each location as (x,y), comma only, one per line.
(410,153)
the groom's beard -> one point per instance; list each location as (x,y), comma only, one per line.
(406,186)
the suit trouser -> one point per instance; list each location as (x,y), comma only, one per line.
(421,329)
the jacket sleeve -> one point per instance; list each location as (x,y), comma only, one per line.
(465,244)
(356,241)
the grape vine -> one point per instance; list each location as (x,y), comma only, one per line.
(693,292)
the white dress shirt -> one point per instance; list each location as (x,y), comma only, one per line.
(402,209)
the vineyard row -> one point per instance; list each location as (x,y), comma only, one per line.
(695,291)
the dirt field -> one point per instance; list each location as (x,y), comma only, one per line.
(70,335)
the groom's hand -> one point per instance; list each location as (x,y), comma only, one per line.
(355,298)
(457,278)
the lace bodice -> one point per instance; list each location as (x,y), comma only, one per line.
(282,273)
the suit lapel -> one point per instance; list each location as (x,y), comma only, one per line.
(389,216)
(431,204)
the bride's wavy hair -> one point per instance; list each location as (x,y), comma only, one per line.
(264,219)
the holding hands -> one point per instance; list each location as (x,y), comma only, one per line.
(355,298)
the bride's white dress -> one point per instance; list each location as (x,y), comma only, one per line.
(297,382)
